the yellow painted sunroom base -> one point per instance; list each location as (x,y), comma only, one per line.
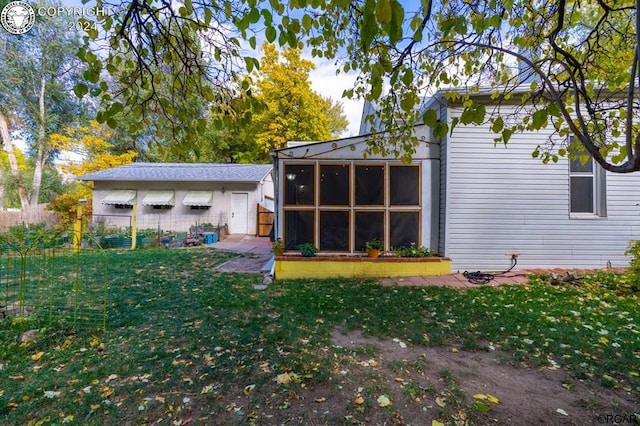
(357,267)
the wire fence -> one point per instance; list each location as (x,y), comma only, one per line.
(44,282)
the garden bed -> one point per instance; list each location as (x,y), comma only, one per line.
(295,266)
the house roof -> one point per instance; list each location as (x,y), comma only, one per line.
(182,172)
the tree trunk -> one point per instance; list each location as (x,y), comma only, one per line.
(13,162)
(41,155)
(2,190)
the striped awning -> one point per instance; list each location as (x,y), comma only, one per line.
(120,196)
(164,197)
(198,198)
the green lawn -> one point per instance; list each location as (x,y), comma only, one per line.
(183,342)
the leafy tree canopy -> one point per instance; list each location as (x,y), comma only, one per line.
(91,144)
(284,108)
(583,57)
(292,110)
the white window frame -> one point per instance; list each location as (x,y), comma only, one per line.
(598,176)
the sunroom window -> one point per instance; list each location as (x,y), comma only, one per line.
(339,206)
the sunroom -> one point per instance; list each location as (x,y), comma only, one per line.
(331,196)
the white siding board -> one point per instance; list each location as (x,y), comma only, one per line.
(501,201)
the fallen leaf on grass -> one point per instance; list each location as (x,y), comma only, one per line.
(37,356)
(441,402)
(283,378)
(561,411)
(493,399)
(487,397)
(436,423)
(482,407)
(384,401)
(106,391)
(359,400)
(51,394)
(322,399)
(247,389)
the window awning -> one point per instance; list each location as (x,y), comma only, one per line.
(198,198)
(159,198)
(120,196)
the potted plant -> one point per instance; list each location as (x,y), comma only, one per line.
(278,247)
(308,250)
(374,247)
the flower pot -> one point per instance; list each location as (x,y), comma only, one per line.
(373,253)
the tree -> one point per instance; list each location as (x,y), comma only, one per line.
(284,107)
(35,80)
(584,57)
(90,144)
(292,110)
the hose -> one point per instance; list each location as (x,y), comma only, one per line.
(480,278)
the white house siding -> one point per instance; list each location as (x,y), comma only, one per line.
(503,201)
(180,217)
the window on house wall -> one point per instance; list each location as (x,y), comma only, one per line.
(404,185)
(369,189)
(356,203)
(334,185)
(587,187)
(161,207)
(123,206)
(299,228)
(334,230)
(369,226)
(404,228)
(299,186)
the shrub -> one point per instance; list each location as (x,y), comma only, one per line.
(308,249)
(411,251)
(634,265)
(374,244)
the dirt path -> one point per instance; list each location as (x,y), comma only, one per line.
(445,380)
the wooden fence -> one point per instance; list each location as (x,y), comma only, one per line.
(36,214)
(265,221)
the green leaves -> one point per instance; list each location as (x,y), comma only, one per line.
(384,11)
(369,25)
(474,114)
(270,34)
(430,118)
(80,89)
